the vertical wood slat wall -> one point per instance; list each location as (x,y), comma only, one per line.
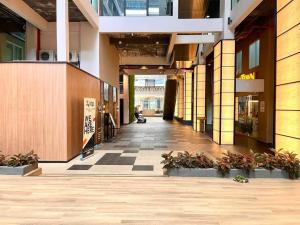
(199,96)
(42,108)
(287,125)
(188,81)
(223,93)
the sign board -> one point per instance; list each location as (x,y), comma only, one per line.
(89,127)
(250,76)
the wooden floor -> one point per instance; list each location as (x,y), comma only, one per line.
(147,200)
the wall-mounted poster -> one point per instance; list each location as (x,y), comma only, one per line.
(114,94)
(106,88)
(89,127)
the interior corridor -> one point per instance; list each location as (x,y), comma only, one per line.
(137,150)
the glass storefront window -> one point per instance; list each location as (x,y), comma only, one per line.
(247,115)
(254,54)
(239,62)
(136,7)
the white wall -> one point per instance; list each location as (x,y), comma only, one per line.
(83,38)
(89,49)
(48,36)
(108,61)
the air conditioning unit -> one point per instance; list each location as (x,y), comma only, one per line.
(73,56)
(47,55)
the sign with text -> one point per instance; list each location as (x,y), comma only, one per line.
(250,76)
(89,127)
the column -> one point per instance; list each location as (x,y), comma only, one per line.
(188,80)
(223,94)
(62,30)
(287,125)
(199,96)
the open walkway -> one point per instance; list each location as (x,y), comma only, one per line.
(148,201)
(137,150)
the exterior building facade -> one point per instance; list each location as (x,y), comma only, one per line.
(236,65)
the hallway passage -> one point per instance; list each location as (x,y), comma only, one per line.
(137,150)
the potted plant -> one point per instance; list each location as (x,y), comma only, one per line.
(282,164)
(19,164)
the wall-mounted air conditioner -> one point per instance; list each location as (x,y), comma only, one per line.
(73,57)
(47,55)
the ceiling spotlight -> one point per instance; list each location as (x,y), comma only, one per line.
(157,42)
(132,34)
(208,16)
(160,68)
(120,42)
(144,68)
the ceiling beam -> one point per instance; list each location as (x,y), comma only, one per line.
(137,40)
(195,39)
(143,60)
(171,46)
(88,11)
(158,24)
(26,12)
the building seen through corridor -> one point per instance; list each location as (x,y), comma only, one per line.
(149,94)
(227,69)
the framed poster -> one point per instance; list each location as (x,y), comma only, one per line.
(114,94)
(89,127)
(106,88)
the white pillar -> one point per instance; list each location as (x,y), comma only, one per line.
(225,9)
(62,30)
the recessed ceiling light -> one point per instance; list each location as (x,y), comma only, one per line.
(208,16)
(120,42)
(157,42)
(160,67)
(144,68)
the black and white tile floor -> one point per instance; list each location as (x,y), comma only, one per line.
(137,150)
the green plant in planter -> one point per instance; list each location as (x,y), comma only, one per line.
(288,162)
(224,165)
(23,159)
(202,161)
(266,161)
(169,161)
(2,160)
(237,161)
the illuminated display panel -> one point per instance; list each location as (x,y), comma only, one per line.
(223,95)
(181,98)
(188,96)
(287,125)
(199,96)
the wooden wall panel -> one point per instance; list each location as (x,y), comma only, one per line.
(33,109)
(79,86)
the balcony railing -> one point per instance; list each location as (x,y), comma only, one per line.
(136,7)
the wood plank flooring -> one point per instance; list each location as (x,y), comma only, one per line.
(148,200)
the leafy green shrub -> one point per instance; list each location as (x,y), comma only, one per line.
(288,162)
(186,160)
(283,160)
(2,160)
(22,159)
(237,161)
